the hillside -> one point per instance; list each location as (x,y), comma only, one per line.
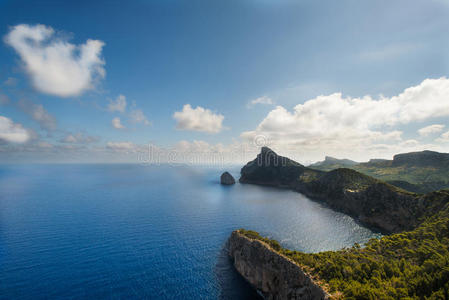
(372,201)
(419,172)
(331,163)
(407,265)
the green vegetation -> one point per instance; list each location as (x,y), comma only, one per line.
(330,163)
(407,265)
(419,172)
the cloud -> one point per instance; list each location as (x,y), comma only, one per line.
(137,116)
(119,104)
(337,125)
(121,146)
(12,132)
(444,138)
(117,124)
(431,129)
(38,113)
(78,138)
(198,119)
(261,100)
(54,65)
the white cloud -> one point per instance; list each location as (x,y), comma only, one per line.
(118,105)
(198,119)
(117,124)
(12,132)
(444,138)
(78,138)
(121,146)
(54,65)
(425,131)
(137,116)
(38,113)
(261,100)
(339,125)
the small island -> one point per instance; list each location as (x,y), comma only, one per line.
(227,179)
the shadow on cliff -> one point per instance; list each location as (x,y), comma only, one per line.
(231,284)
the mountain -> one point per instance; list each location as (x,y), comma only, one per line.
(330,163)
(372,201)
(418,172)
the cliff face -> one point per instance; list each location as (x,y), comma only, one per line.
(274,275)
(373,202)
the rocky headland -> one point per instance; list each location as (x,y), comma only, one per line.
(371,201)
(274,275)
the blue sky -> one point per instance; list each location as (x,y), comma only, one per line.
(219,57)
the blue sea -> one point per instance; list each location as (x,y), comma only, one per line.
(124,231)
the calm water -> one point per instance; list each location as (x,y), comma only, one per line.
(131,231)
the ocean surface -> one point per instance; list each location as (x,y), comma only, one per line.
(118,231)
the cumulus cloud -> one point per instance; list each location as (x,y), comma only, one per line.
(117,124)
(425,131)
(137,116)
(78,138)
(261,100)
(39,114)
(12,132)
(119,104)
(54,65)
(198,119)
(338,125)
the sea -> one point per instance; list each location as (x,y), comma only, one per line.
(132,231)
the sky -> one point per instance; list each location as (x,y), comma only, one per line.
(213,81)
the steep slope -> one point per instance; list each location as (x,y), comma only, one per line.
(407,265)
(270,272)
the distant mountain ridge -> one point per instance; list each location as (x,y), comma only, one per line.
(330,163)
(419,172)
(372,201)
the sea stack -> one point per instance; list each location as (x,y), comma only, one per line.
(227,179)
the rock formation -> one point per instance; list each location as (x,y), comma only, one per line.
(227,179)
(271,273)
(373,202)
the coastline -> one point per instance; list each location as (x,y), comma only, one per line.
(271,273)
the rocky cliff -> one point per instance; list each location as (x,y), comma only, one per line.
(373,202)
(271,273)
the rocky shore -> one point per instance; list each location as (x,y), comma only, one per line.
(271,273)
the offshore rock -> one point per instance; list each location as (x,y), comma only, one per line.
(227,179)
